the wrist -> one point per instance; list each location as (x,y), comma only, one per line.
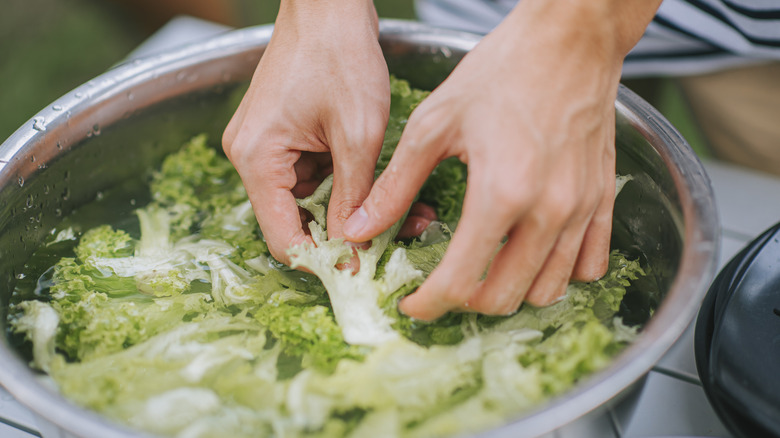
(329,16)
(605,29)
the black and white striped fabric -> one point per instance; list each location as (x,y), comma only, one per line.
(685,37)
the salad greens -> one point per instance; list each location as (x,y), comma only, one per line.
(190,328)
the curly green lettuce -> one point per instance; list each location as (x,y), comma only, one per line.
(186,325)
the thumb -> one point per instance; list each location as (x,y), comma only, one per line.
(392,193)
(351,184)
(354,151)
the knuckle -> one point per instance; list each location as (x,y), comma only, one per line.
(547,294)
(559,207)
(592,268)
(228,139)
(421,131)
(500,309)
(368,132)
(453,298)
(544,299)
(537,300)
(342,209)
(512,198)
(375,129)
(500,300)
(451,294)
(378,207)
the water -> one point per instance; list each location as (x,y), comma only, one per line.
(39,124)
(114,206)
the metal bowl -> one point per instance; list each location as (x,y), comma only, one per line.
(125,121)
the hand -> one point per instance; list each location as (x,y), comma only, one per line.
(531,112)
(318,101)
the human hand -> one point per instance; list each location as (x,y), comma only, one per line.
(318,102)
(531,112)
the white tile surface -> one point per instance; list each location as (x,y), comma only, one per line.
(14,413)
(680,360)
(668,407)
(7,431)
(598,425)
(748,202)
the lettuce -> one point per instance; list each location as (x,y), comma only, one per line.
(185,325)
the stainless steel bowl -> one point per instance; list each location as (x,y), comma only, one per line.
(123,122)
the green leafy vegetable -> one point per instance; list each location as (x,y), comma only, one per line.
(191,328)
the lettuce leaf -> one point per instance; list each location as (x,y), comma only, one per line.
(190,328)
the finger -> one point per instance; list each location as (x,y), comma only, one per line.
(514,269)
(269,181)
(352,180)
(391,195)
(413,226)
(456,278)
(423,210)
(550,285)
(278,216)
(593,260)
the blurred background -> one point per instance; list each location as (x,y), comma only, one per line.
(49,47)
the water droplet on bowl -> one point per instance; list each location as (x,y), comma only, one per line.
(39,124)
(21,181)
(56,107)
(20,276)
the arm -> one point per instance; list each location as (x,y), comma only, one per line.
(531,112)
(320,96)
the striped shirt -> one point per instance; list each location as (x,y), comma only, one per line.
(685,37)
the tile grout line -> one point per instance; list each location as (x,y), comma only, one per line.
(613,421)
(677,375)
(21,427)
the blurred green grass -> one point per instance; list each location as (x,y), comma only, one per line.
(49,47)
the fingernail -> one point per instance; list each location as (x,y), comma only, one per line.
(356,223)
